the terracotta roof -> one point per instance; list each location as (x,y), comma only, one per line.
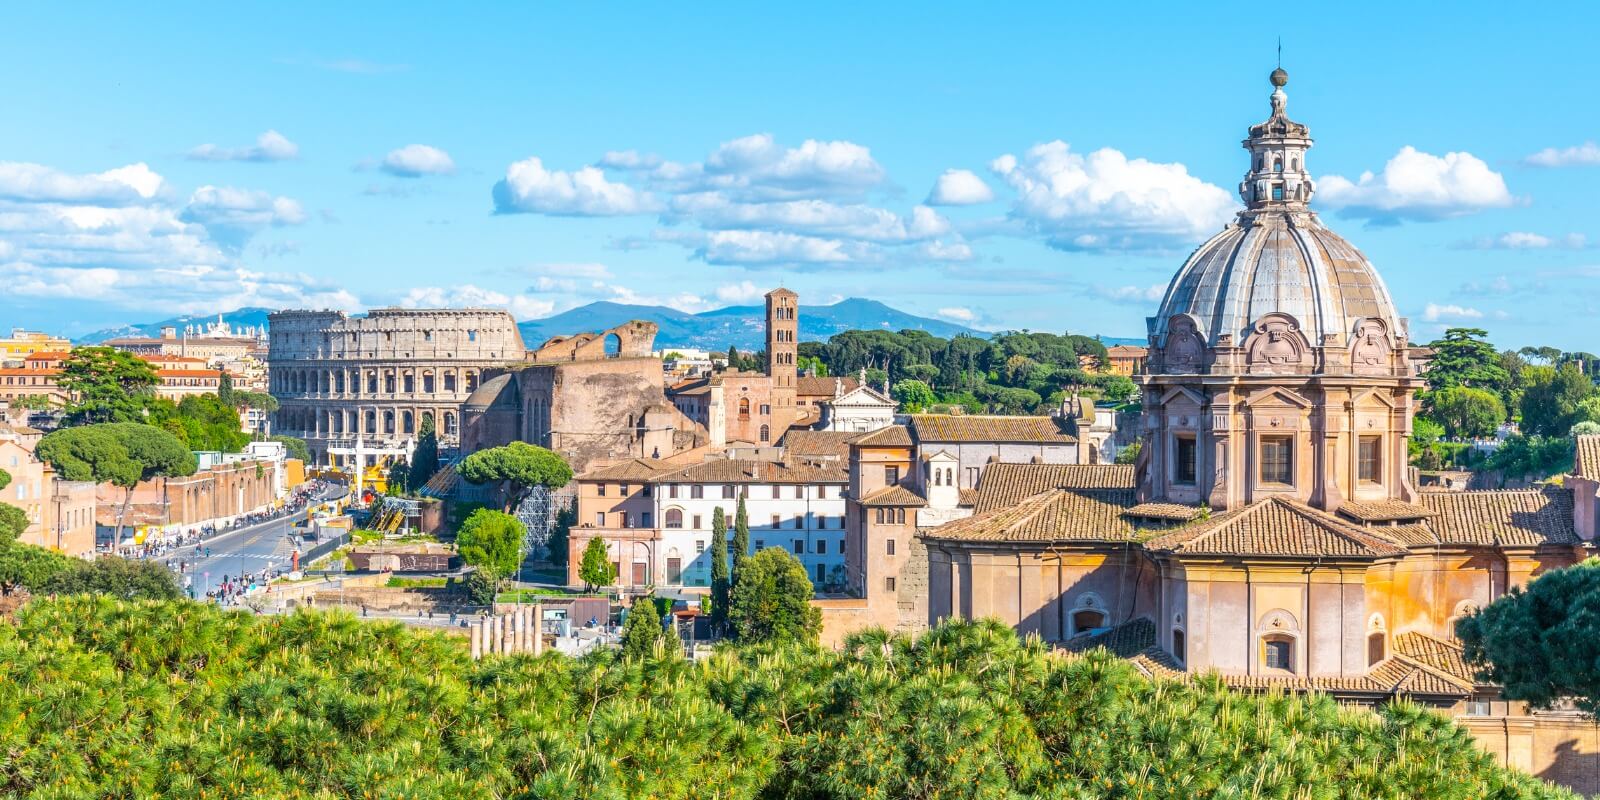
(1277,527)
(751,471)
(1173,511)
(1126,350)
(969,498)
(1506,517)
(896,496)
(1056,515)
(800,442)
(1415,534)
(973,428)
(633,469)
(1437,654)
(1007,484)
(892,436)
(1384,511)
(813,386)
(1136,641)
(1587,464)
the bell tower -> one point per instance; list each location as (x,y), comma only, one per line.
(783,328)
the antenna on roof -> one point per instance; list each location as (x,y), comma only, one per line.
(1280,52)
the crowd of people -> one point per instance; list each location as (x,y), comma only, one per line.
(302,497)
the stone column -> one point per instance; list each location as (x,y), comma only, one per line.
(518,622)
(538,628)
(475,635)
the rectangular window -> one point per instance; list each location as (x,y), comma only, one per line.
(761,544)
(1279,654)
(696,492)
(888,583)
(599,519)
(891,546)
(1477,707)
(1185,461)
(1277,459)
(699,547)
(622,491)
(776,521)
(891,475)
(798,523)
(602,490)
(776,492)
(878,515)
(697,522)
(672,491)
(644,519)
(1277,191)
(799,492)
(841,546)
(1370,460)
(799,547)
(822,547)
(727,492)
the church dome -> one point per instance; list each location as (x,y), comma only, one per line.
(1277,258)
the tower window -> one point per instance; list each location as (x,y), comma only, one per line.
(1277,191)
(1185,471)
(1369,463)
(1277,459)
(1277,165)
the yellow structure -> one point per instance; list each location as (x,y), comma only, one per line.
(22,343)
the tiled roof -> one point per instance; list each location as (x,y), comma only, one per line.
(892,436)
(813,386)
(969,498)
(801,442)
(633,469)
(1126,350)
(1506,517)
(1056,515)
(1136,641)
(1384,511)
(1172,511)
(751,471)
(1438,654)
(1007,484)
(897,496)
(1276,527)
(1413,534)
(1588,460)
(973,428)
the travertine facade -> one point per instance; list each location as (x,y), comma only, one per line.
(339,378)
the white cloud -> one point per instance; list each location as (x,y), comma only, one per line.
(269,146)
(945,251)
(1104,200)
(959,187)
(1583,155)
(683,301)
(530,188)
(1434,312)
(958,314)
(715,211)
(1418,186)
(232,215)
(417,160)
(1523,240)
(467,295)
(1132,295)
(752,248)
(741,292)
(629,160)
(759,167)
(36,183)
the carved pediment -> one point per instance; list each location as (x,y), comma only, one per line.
(1276,344)
(1277,395)
(1185,350)
(1183,392)
(1370,351)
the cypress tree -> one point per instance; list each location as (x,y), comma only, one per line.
(425,458)
(741,539)
(719,568)
(642,630)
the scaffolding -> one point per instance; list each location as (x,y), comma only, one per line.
(538,512)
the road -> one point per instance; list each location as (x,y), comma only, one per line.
(247,550)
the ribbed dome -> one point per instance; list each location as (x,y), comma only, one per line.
(1282,262)
(1278,257)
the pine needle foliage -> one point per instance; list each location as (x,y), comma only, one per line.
(174,699)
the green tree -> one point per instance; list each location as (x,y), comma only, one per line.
(1130,454)
(481,588)
(771,599)
(913,396)
(122,578)
(1535,457)
(1553,398)
(398,479)
(521,465)
(741,539)
(225,387)
(1464,357)
(1539,642)
(596,568)
(720,583)
(119,453)
(491,541)
(1116,388)
(201,422)
(106,385)
(13,521)
(641,631)
(1466,412)
(425,458)
(23,566)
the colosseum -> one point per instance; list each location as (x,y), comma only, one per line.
(358,388)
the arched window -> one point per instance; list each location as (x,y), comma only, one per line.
(427,383)
(388,422)
(744,408)
(372,422)
(472,380)
(449,423)
(949,476)
(1277,652)
(675,518)
(1087,619)
(765,433)
(1277,165)
(449,381)
(408,422)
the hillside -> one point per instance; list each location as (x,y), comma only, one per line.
(241,318)
(741,326)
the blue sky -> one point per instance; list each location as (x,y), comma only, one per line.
(199,158)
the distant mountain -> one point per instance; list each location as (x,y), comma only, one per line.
(741,326)
(241,318)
